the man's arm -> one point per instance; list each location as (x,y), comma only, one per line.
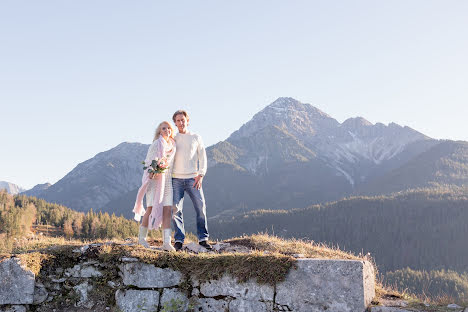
(202,164)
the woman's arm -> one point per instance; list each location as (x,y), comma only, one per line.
(156,150)
(171,154)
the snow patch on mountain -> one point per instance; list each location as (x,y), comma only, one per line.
(346,175)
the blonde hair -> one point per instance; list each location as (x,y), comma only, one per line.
(157,133)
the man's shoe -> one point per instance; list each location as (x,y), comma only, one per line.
(205,244)
(178,246)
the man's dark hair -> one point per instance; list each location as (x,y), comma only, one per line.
(180,112)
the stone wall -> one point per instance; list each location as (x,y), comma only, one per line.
(315,285)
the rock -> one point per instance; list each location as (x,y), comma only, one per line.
(194,247)
(17,283)
(82,291)
(129,259)
(84,271)
(137,300)
(394,303)
(90,271)
(174,300)
(112,284)
(220,246)
(55,287)
(240,305)
(298,255)
(454,306)
(144,275)
(58,280)
(82,249)
(40,295)
(327,285)
(228,286)
(75,271)
(14,308)
(387,309)
(210,304)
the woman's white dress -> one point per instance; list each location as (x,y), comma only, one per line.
(158,191)
(167,199)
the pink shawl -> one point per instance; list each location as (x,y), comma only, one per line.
(166,149)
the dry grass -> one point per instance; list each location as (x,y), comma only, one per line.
(290,247)
(265,268)
(269,262)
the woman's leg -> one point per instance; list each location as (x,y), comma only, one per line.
(166,225)
(144,228)
(144,221)
(167,217)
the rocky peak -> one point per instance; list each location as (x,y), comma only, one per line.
(356,122)
(11,188)
(289,114)
(37,190)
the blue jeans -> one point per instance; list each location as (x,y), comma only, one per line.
(180,186)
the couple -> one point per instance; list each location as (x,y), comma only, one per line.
(186,157)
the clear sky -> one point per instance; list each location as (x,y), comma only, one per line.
(80,77)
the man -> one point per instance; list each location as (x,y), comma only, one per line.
(187,176)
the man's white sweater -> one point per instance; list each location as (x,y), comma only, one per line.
(190,157)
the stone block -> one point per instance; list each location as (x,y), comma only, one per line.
(144,275)
(16,283)
(210,304)
(240,305)
(137,300)
(327,285)
(174,300)
(228,286)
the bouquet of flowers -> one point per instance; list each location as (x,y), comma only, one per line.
(158,165)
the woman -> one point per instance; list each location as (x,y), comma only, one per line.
(158,189)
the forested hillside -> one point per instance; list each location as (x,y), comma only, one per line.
(18,213)
(423,229)
(434,284)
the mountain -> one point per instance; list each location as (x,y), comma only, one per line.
(37,190)
(11,188)
(289,155)
(355,149)
(93,183)
(445,163)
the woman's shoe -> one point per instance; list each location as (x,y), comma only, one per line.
(142,237)
(167,234)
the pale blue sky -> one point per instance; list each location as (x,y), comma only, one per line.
(80,77)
